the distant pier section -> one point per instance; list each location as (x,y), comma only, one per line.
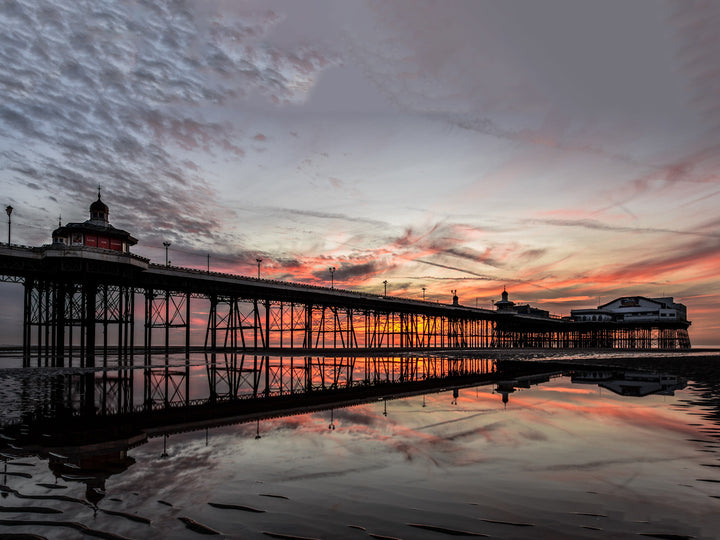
(85,293)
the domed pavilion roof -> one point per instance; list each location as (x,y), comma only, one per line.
(99,210)
(99,206)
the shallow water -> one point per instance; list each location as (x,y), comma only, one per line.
(560,459)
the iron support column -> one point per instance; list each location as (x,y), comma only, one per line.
(90,293)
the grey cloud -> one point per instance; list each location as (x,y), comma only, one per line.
(532,254)
(489,127)
(445,239)
(326,215)
(483,277)
(347,270)
(696,24)
(470,255)
(458,269)
(600,226)
(18,121)
(117,89)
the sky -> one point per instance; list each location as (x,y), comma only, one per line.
(567,150)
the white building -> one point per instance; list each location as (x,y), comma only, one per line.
(631,309)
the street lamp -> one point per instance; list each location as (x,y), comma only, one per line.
(167,245)
(258,261)
(332,277)
(9,210)
(385,283)
(423,294)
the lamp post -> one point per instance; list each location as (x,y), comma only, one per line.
(423,294)
(258,262)
(332,277)
(167,245)
(9,210)
(385,283)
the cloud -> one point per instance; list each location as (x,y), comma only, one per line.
(112,94)
(600,226)
(349,272)
(458,269)
(696,25)
(444,239)
(324,215)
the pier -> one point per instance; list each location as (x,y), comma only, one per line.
(85,293)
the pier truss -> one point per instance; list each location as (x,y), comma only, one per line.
(81,304)
(64,323)
(253,323)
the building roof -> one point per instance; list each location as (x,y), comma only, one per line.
(95,225)
(94,228)
(99,206)
(636,298)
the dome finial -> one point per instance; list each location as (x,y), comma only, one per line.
(98,191)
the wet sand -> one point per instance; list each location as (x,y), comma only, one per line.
(559,460)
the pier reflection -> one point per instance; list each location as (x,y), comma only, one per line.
(85,421)
(631,382)
(291,441)
(226,377)
(86,402)
(623,382)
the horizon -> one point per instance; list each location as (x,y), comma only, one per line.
(565,150)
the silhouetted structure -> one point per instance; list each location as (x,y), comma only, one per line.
(507,306)
(80,294)
(95,232)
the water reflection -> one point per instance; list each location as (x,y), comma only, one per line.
(85,421)
(174,382)
(632,383)
(80,413)
(313,433)
(629,383)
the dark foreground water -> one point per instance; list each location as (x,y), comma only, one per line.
(596,452)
